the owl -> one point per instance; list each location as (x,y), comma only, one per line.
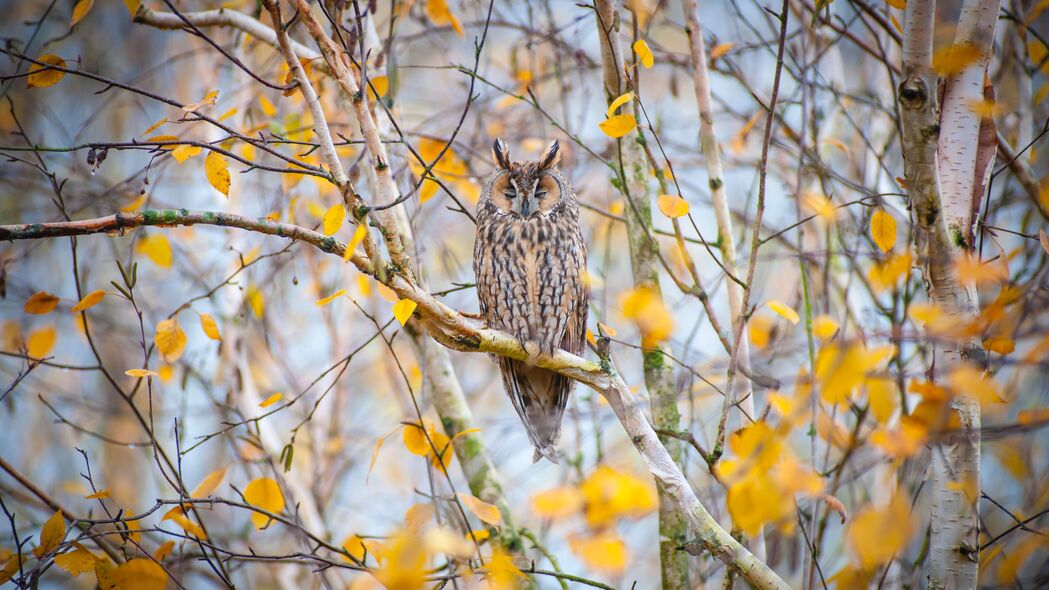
(530,265)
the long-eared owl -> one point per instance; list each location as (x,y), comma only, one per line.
(530,264)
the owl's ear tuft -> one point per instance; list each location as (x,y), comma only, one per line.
(552,155)
(501,154)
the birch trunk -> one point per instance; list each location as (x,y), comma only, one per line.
(943,182)
(659,375)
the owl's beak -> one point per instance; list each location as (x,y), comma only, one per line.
(528,206)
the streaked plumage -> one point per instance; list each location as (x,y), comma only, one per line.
(530,260)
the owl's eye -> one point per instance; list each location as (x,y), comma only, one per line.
(539,194)
(510,193)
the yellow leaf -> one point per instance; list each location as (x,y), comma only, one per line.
(884,275)
(898,4)
(644,53)
(985,108)
(139,373)
(557,503)
(99,495)
(609,494)
(381,85)
(968,380)
(759,330)
(443,457)
(358,237)
(876,534)
(269,401)
(955,58)
(165,141)
(179,517)
(40,342)
(265,494)
(820,206)
(157,248)
(824,327)
(618,102)
(646,308)
(133,6)
(784,311)
(90,300)
(227,114)
(883,398)
(40,303)
(77,561)
(440,14)
(134,205)
(164,550)
(673,206)
(720,49)
(185,152)
(375,456)
(403,309)
(1000,344)
(51,535)
(418,517)
(81,11)
(9,564)
(618,126)
(166,372)
(604,551)
(883,230)
(170,339)
(216,167)
(42,77)
(488,513)
(209,99)
(155,126)
(333,219)
(210,326)
(330,298)
(267,107)
(970,269)
(209,484)
(139,573)
(502,573)
(255,300)
(478,535)
(415,437)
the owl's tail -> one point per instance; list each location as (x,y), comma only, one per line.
(540,397)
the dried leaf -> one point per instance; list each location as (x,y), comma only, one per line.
(216,167)
(42,77)
(80,11)
(170,339)
(51,535)
(488,513)
(40,342)
(90,300)
(40,303)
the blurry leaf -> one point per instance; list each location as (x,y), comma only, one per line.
(481,509)
(77,561)
(166,141)
(269,401)
(673,206)
(133,6)
(210,326)
(41,77)
(155,126)
(618,126)
(759,330)
(646,308)
(40,303)
(618,102)
(951,60)
(610,494)
(403,309)
(883,398)
(784,311)
(268,108)
(502,573)
(330,298)
(968,380)
(9,564)
(898,4)
(177,515)
(824,327)
(440,15)
(265,494)
(40,342)
(883,230)
(255,300)
(877,534)
(358,237)
(1000,344)
(604,551)
(134,205)
(418,517)
(354,545)
(209,99)
(51,535)
(99,495)
(164,550)
(139,373)
(443,457)
(970,269)
(170,339)
(139,573)
(557,503)
(90,300)
(819,205)
(227,114)
(157,248)
(985,107)
(216,167)
(375,455)
(720,49)
(333,219)
(133,527)
(209,484)
(381,85)
(415,437)
(902,442)
(185,152)
(644,53)
(886,274)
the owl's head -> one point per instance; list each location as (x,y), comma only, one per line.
(527,189)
